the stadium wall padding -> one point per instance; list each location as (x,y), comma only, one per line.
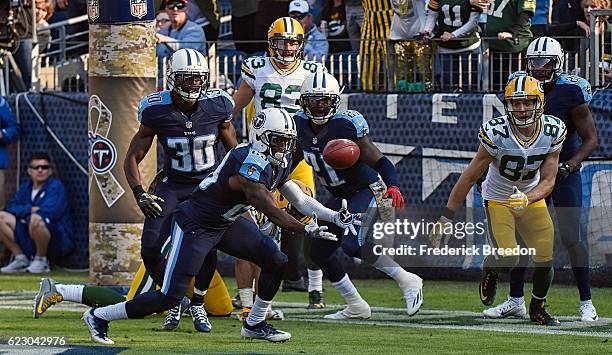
(414,130)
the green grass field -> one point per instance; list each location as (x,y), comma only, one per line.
(446,324)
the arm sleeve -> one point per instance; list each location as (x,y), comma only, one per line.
(55,203)
(21,204)
(305,204)
(468,26)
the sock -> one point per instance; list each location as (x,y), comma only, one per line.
(112,312)
(403,278)
(259,311)
(100,296)
(246,296)
(518,300)
(348,291)
(536,299)
(41,258)
(315,280)
(198,297)
(589,302)
(72,293)
(542,279)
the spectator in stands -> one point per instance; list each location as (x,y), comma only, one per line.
(9,132)
(37,221)
(509,21)
(373,47)
(162,21)
(457,30)
(316,46)
(244,17)
(542,18)
(44,11)
(354,22)
(316,10)
(334,15)
(182,32)
(412,59)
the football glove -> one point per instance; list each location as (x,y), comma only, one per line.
(313,230)
(563,171)
(150,205)
(518,200)
(346,220)
(397,200)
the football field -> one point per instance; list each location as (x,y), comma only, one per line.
(449,322)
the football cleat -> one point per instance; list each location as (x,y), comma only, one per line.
(588,313)
(275,314)
(538,314)
(488,287)
(173,318)
(242,316)
(263,330)
(509,308)
(200,319)
(98,327)
(315,300)
(360,311)
(414,300)
(46,297)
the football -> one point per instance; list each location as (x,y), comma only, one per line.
(341,153)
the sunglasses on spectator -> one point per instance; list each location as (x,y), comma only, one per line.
(41,167)
(298,16)
(177,5)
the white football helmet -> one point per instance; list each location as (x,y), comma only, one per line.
(320,97)
(544,59)
(273,133)
(188,74)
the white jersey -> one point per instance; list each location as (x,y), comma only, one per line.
(517,162)
(276,87)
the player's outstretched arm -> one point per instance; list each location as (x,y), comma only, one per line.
(242,97)
(548,173)
(469,177)
(227,133)
(307,205)
(585,126)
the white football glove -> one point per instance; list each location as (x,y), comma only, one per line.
(346,220)
(313,230)
(437,235)
(518,200)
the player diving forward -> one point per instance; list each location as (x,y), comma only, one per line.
(246,176)
(189,120)
(566,97)
(275,81)
(366,184)
(521,150)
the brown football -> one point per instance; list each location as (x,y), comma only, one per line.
(341,153)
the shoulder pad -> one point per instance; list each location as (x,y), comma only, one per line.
(357,121)
(251,64)
(556,129)
(300,115)
(580,83)
(153,99)
(254,165)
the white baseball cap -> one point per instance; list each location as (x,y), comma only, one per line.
(300,6)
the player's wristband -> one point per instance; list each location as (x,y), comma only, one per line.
(138,190)
(387,172)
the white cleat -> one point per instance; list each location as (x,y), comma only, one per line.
(588,313)
(98,328)
(506,309)
(275,314)
(360,311)
(414,300)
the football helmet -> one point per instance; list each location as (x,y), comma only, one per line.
(273,134)
(283,203)
(523,101)
(320,97)
(188,74)
(285,40)
(544,59)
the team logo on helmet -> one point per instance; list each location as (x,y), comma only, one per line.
(259,120)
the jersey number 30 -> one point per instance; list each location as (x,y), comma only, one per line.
(192,158)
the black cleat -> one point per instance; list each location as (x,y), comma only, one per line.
(200,319)
(538,314)
(488,287)
(263,330)
(98,327)
(315,300)
(173,318)
(295,285)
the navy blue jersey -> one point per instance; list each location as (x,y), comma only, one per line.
(567,92)
(190,143)
(347,124)
(213,205)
